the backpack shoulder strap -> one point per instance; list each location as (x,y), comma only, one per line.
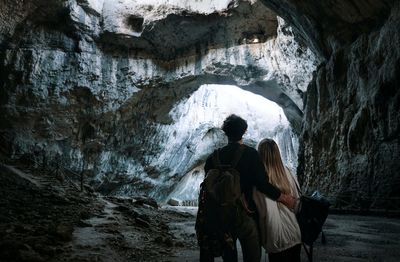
(237,156)
(235,160)
(215,159)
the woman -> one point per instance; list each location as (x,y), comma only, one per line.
(280,232)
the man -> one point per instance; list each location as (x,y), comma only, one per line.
(252,174)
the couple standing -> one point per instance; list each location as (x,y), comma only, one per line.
(270,194)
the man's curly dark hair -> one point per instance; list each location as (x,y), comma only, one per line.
(234,127)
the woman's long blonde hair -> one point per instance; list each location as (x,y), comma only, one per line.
(271,157)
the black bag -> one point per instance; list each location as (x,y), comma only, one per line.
(218,202)
(311,216)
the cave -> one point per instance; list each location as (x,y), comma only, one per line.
(110,108)
(196,122)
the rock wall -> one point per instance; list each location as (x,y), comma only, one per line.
(78,82)
(350,135)
(350,138)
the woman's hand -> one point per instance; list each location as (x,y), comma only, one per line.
(288,200)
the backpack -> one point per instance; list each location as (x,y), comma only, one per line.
(219,200)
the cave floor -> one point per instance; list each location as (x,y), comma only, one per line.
(349,238)
(48,221)
(45,219)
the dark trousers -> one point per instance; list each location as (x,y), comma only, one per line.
(247,233)
(288,255)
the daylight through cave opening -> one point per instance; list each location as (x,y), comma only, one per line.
(196,133)
(175,149)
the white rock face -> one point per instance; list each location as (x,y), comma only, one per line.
(293,61)
(116,12)
(97,5)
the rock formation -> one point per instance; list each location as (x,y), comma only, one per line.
(93,81)
(350,135)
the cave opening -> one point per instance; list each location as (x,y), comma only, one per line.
(176,148)
(196,133)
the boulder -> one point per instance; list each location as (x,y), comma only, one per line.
(174,202)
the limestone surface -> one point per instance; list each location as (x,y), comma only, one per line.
(91,81)
(87,85)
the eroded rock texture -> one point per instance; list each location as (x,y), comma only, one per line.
(351,125)
(94,81)
(350,137)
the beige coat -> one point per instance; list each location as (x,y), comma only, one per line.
(278,225)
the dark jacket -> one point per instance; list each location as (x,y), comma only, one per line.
(251,169)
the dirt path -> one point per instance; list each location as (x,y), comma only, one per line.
(91,239)
(125,231)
